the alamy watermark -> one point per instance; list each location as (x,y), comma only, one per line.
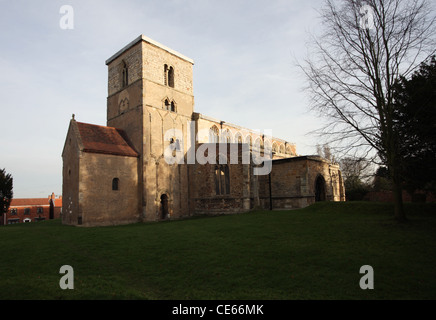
(367,281)
(366,17)
(67,20)
(66,281)
(260,154)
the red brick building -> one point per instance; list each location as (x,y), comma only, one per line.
(33,209)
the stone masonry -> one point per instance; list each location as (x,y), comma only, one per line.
(120,173)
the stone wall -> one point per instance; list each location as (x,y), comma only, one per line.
(153,60)
(293,182)
(70,177)
(132,57)
(203,183)
(99,203)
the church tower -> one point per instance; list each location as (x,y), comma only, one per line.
(139,168)
(150,97)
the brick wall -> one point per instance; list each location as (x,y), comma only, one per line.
(31,210)
(387,196)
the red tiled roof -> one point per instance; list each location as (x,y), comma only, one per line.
(58,202)
(107,140)
(29,202)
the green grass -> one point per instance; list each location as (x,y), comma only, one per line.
(311,253)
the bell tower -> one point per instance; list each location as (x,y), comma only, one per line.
(150,95)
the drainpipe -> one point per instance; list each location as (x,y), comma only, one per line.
(270,192)
(270,187)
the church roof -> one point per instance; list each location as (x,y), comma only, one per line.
(107,140)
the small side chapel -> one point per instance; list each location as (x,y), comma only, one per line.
(120,173)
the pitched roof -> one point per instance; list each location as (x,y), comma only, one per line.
(58,202)
(107,140)
(29,202)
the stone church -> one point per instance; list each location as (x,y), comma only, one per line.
(157,159)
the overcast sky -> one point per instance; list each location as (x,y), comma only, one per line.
(244,71)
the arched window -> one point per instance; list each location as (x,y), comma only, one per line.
(274,148)
(171,77)
(222,179)
(176,145)
(125,75)
(238,137)
(267,146)
(258,144)
(248,140)
(213,134)
(167,104)
(115,184)
(166,74)
(288,149)
(173,106)
(226,136)
(282,148)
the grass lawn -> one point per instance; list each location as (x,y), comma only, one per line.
(311,253)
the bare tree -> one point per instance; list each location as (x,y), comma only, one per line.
(325,152)
(360,168)
(352,68)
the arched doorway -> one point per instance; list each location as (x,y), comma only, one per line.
(320,188)
(164,206)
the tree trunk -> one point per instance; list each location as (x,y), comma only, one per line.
(399,213)
(394,167)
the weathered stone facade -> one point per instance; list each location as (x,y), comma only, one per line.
(300,181)
(151,104)
(101,184)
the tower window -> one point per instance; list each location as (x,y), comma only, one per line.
(115,184)
(167,104)
(169,76)
(173,106)
(125,76)
(166,75)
